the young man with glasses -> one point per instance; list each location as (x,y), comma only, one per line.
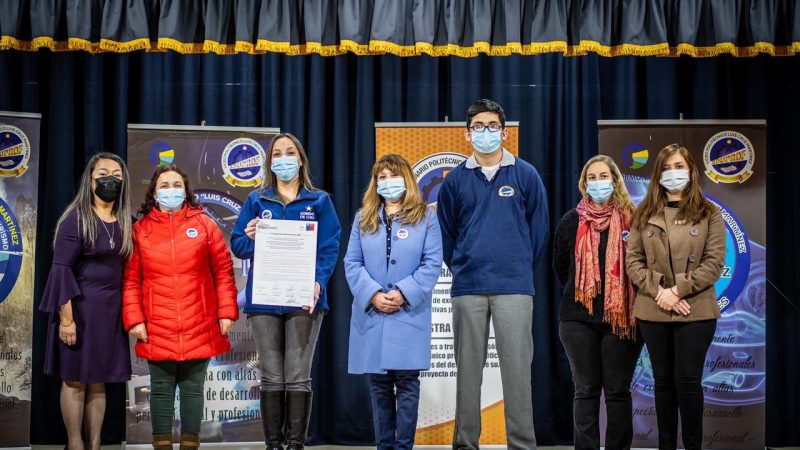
(492,210)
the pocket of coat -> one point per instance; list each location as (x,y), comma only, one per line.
(150,303)
(411,318)
(365,322)
(203,299)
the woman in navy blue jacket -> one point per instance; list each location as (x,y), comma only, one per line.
(392,263)
(286,336)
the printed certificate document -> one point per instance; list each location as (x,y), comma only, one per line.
(284,262)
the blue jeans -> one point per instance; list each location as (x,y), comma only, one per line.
(395,401)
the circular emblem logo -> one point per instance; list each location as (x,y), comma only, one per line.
(402,233)
(635,155)
(266,214)
(506,191)
(192,233)
(15,150)
(729,157)
(430,173)
(243,163)
(10,250)
(625,235)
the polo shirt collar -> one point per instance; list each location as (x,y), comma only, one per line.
(507,160)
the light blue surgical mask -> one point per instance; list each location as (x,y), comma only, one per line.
(170,199)
(486,141)
(285,167)
(599,190)
(392,188)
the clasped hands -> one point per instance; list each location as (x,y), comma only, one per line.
(388,302)
(668,300)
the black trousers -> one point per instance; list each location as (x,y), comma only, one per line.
(600,361)
(677,354)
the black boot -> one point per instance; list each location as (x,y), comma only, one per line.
(298,411)
(272,413)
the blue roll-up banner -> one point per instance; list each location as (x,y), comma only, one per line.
(731,160)
(19,175)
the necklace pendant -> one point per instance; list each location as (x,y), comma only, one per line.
(112,243)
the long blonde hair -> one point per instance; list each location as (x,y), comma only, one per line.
(412,207)
(620,198)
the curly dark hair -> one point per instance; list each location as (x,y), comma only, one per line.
(149,196)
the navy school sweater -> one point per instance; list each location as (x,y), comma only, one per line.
(494,233)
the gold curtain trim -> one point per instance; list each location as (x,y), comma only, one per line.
(376,47)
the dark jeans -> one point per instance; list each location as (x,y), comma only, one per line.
(189,376)
(677,353)
(395,401)
(600,361)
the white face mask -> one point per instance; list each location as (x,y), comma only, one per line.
(675,181)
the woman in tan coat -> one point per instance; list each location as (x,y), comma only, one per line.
(676,250)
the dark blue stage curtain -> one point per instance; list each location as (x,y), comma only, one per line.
(332,103)
(406,28)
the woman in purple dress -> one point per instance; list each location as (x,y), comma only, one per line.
(87,346)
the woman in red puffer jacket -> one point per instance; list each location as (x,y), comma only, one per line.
(179,300)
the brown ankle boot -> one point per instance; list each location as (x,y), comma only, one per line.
(162,441)
(190,441)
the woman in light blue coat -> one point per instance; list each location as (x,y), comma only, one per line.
(392,263)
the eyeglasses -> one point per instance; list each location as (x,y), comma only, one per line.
(479,127)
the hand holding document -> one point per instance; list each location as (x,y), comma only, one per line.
(284,263)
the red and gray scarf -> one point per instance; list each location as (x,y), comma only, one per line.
(619,291)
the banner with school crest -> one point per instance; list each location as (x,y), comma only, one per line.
(731,160)
(19,185)
(433,149)
(224,165)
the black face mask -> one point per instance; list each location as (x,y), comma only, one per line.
(108,188)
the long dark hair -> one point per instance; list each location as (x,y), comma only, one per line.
(149,196)
(693,206)
(83,204)
(305,176)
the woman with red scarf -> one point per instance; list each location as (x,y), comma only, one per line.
(596,325)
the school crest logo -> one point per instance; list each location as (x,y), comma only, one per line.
(729,157)
(430,173)
(506,191)
(243,163)
(15,151)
